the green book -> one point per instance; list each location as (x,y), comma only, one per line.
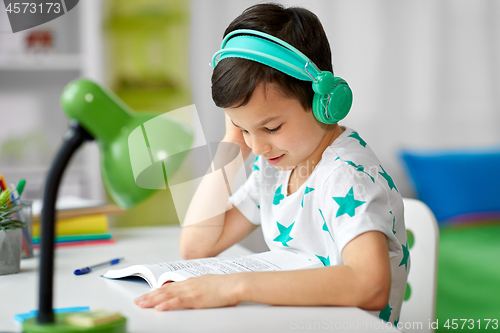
(76,238)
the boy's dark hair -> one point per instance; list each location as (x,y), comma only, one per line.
(235,79)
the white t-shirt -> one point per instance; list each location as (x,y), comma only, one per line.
(348,193)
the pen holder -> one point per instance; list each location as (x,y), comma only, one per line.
(10,251)
(11,236)
(26,215)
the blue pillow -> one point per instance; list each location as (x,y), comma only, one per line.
(455,183)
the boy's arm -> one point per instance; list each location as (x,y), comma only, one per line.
(202,237)
(211,237)
(364,281)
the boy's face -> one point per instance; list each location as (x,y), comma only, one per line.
(279,129)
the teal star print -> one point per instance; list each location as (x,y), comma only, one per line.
(308,189)
(406,255)
(255,167)
(389,180)
(284,235)
(393,223)
(360,168)
(325,227)
(347,204)
(278,196)
(325,261)
(385,314)
(396,322)
(356,136)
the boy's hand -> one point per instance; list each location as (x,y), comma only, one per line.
(234,135)
(206,291)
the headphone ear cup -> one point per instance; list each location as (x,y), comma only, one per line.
(338,106)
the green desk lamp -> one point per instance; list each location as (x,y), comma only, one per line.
(98,114)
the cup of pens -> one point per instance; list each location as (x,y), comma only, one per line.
(24,214)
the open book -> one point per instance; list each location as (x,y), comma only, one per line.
(158,274)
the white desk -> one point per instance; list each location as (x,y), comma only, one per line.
(19,293)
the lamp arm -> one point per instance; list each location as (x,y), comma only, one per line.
(72,141)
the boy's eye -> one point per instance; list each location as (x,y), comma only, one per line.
(268,130)
(273,130)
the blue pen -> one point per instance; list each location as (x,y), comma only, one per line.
(85,270)
(14,194)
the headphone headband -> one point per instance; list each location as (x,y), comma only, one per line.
(268,50)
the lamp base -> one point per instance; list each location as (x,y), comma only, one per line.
(60,326)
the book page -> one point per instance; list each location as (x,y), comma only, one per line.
(266,261)
(151,276)
(158,274)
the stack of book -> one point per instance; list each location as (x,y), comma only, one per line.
(79,226)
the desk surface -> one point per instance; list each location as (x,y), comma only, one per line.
(19,293)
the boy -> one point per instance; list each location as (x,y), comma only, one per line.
(315,187)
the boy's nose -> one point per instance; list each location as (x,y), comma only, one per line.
(259,147)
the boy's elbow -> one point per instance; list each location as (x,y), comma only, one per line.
(376,294)
(186,255)
(190,252)
(376,302)
(184,250)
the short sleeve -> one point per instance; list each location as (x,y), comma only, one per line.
(247,198)
(355,204)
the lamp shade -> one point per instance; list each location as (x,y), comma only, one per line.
(110,122)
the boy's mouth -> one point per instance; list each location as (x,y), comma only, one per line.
(276,160)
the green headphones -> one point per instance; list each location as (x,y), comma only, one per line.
(333,97)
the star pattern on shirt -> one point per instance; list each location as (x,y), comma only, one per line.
(393,223)
(284,235)
(406,255)
(278,196)
(255,167)
(307,190)
(360,168)
(396,322)
(325,226)
(390,182)
(325,261)
(385,314)
(347,204)
(356,136)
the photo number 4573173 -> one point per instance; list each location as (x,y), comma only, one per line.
(471,324)
(33,7)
